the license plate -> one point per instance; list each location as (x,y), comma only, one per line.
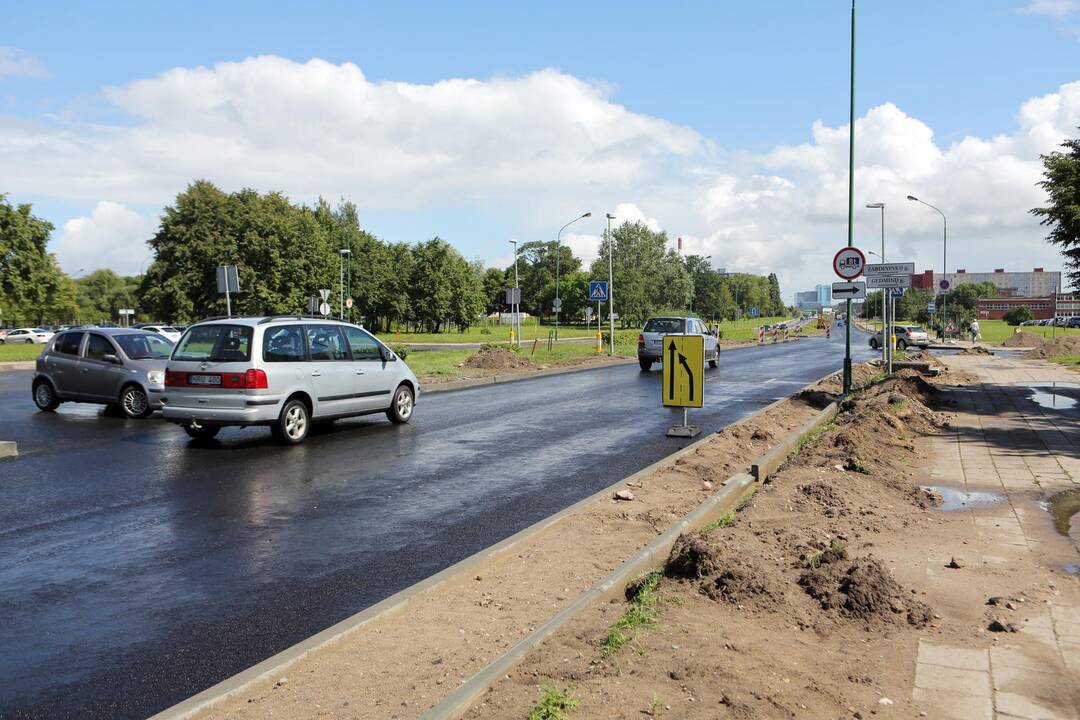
(204,379)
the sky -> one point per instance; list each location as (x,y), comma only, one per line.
(724,123)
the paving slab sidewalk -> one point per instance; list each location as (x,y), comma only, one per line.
(1007,445)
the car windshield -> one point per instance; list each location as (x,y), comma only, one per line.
(144,346)
(664,325)
(223,343)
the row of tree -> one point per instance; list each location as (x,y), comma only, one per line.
(286,251)
(960,303)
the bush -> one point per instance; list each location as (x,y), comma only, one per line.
(485,331)
(399,349)
(1019,314)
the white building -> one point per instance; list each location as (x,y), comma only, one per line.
(1037,283)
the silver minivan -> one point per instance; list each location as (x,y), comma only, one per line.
(285,373)
(117,367)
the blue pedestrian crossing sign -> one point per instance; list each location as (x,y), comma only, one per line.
(598,290)
(897,293)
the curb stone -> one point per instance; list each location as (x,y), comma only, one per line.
(399,601)
(8,448)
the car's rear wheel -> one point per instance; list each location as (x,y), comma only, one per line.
(202,432)
(29,342)
(901,345)
(45,396)
(646,365)
(135,403)
(293,424)
(874,343)
(715,362)
(401,408)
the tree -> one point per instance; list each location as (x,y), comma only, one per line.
(1061,173)
(1018,314)
(33,288)
(467,296)
(647,276)
(101,293)
(495,285)
(776,302)
(444,286)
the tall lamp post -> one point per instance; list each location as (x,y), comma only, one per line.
(515,307)
(881,206)
(610,283)
(944,254)
(851,202)
(341,281)
(558,257)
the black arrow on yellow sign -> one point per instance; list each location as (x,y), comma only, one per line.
(689,374)
(671,375)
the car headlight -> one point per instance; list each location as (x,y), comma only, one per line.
(156,377)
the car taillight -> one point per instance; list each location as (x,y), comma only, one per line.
(641,340)
(255,379)
(174,379)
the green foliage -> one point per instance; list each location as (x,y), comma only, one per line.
(647,275)
(101,293)
(399,349)
(554,704)
(721,522)
(1061,182)
(33,288)
(1018,314)
(643,600)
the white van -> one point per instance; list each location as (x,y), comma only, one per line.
(283,372)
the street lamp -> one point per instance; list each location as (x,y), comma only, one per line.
(516,306)
(944,254)
(881,206)
(341,281)
(610,283)
(558,257)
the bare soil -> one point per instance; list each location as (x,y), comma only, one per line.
(1023,339)
(810,605)
(1064,345)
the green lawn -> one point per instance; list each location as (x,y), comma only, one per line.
(9,353)
(996,331)
(1070,361)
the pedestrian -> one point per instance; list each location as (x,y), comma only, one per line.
(974,331)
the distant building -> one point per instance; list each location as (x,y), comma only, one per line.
(1042,308)
(1035,284)
(1067,305)
(816,299)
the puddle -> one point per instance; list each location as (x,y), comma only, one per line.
(1063,508)
(1047,395)
(953,499)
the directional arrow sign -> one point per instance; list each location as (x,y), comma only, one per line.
(684,370)
(849,290)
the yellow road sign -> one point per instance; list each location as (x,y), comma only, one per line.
(684,370)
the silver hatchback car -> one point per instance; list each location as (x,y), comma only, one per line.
(116,367)
(285,373)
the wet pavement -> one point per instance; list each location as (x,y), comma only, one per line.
(137,569)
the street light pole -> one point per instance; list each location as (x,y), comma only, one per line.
(515,306)
(558,258)
(610,283)
(851,202)
(944,254)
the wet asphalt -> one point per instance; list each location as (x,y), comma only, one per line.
(137,569)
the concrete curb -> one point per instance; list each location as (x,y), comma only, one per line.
(516,377)
(277,664)
(458,702)
(18,365)
(768,463)
(8,448)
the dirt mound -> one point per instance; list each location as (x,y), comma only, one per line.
(1023,339)
(496,359)
(739,582)
(976,350)
(926,357)
(826,497)
(691,557)
(863,591)
(1064,345)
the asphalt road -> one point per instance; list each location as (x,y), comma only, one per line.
(137,569)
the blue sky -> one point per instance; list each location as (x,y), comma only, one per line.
(747,78)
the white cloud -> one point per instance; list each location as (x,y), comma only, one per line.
(1057,8)
(529,147)
(112,237)
(19,63)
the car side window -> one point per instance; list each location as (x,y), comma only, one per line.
(98,347)
(326,342)
(68,343)
(284,344)
(363,346)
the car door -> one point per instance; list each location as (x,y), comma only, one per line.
(374,379)
(331,371)
(99,378)
(62,362)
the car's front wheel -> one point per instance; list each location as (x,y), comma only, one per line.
(401,408)
(293,424)
(29,342)
(135,403)
(715,362)
(45,396)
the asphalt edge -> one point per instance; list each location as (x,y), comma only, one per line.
(458,702)
(278,663)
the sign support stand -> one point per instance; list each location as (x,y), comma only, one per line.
(685,430)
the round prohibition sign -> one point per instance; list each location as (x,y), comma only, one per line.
(849,263)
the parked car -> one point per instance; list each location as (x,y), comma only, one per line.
(167,331)
(906,336)
(26,335)
(118,367)
(651,339)
(285,373)
(1073,322)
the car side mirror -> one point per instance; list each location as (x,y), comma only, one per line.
(385,353)
(111,358)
